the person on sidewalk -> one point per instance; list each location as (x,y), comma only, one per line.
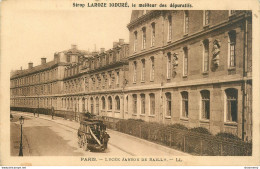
(52,112)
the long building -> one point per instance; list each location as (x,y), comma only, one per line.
(187,67)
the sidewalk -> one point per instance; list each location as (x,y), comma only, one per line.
(130,144)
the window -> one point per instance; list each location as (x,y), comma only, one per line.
(206,55)
(127,103)
(68,58)
(152,104)
(143,70)
(185,104)
(169,28)
(144,38)
(185,62)
(103,103)
(109,79)
(135,41)
(153,34)
(117,103)
(135,71)
(142,104)
(117,78)
(152,69)
(168,104)
(134,104)
(110,103)
(231,105)
(232,45)
(205,104)
(83,104)
(186,22)
(169,63)
(206,17)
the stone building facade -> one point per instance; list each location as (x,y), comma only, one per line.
(188,67)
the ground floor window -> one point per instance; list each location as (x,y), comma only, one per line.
(231,105)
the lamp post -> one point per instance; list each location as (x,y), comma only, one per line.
(21,119)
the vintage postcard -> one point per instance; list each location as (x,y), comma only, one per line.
(158,83)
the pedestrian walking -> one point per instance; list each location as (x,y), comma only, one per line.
(52,112)
(34,111)
(106,138)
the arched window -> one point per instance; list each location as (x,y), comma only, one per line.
(143,37)
(169,28)
(142,103)
(110,103)
(206,55)
(231,105)
(103,103)
(127,103)
(97,105)
(134,104)
(168,104)
(232,49)
(185,104)
(143,70)
(117,103)
(205,104)
(152,69)
(152,104)
(135,71)
(83,104)
(91,105)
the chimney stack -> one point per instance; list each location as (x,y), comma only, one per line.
(121,41)
(102,50)
(43,60)
(30,65)
(115,44)
(73,46)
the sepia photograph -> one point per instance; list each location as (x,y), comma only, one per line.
(127,85)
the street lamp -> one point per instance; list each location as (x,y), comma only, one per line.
(21,119)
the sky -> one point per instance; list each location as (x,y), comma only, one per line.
(32,32)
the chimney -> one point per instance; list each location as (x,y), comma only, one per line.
(30,65)
(115,44)
(21,68)
(102,50)
(73,46)
(121,41)
(43,60)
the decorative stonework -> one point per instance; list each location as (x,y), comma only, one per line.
(175,63)
(215,52)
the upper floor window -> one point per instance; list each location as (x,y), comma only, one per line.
(117,78)
(206,17)
(169,28)
(205,104)
(186,22)
(153,34)
(144,38)
(143,70)
(142,104)
(135,71)
(169,64)
(168,104)
(231,105)
(152,69)
(185,61)
(232,47)
(206,55)
(185,104)
(135,41)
